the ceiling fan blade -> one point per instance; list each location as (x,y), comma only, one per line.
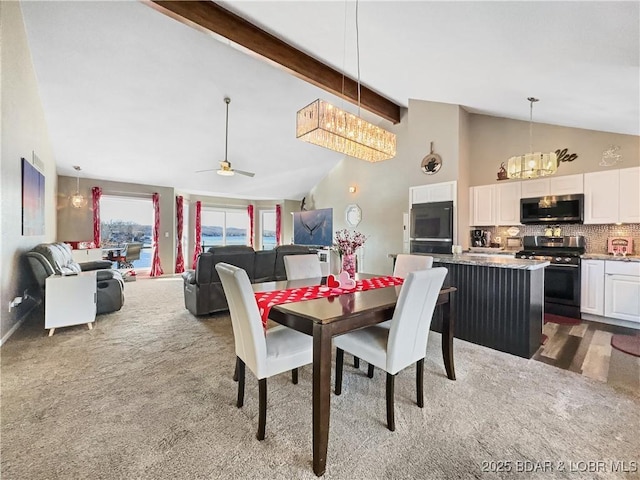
(207,170)
(242,172)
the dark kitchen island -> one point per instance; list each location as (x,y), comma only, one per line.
(499,303)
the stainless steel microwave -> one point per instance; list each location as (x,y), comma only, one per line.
(552,209)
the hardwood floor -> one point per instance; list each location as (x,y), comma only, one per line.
(586,349)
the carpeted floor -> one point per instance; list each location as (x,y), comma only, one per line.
(148,394)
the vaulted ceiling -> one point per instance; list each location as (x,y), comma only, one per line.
(132,95)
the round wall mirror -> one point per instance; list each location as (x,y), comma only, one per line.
(353,215)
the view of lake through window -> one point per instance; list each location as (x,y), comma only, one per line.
(126,220)
(224,227)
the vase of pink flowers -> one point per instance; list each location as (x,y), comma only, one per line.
(347,243)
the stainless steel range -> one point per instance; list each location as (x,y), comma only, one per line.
(562,276)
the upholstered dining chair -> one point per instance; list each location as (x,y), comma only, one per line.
(393,349)
(302,266)
(406,263)
(265,353)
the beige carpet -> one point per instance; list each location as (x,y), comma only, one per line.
(148,394)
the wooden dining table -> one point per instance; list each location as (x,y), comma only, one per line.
(325,318)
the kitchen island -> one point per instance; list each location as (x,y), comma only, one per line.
(499,303)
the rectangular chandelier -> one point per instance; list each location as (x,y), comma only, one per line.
(532,165)
(328,126)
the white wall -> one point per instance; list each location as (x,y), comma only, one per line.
(24,130)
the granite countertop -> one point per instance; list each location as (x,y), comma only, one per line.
(608,256)
(492,261)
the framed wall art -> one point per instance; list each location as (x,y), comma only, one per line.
(32,200)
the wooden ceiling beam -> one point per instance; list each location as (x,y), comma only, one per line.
(210,17)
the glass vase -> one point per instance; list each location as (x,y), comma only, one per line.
(349,264)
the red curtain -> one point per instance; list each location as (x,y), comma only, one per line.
(251,223)
(278,223)
(96,194)
(179,228)
(197,250)
(156,268)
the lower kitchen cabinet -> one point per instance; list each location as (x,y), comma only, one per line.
(592,287)
(622,291)
(611,289)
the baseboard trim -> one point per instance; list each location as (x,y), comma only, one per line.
(20,321)
(611,321)
(12,330)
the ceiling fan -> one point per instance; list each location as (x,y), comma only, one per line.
(225,165)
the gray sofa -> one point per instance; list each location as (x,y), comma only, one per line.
(203,293)
(48,259)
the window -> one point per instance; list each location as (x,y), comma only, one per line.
(224,227)
(268,229)
(124,220)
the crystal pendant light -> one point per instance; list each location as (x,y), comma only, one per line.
(326,125)
(78,200)
(533,164)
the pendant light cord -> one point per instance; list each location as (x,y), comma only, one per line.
(358,55)
(532,100)
(226,129)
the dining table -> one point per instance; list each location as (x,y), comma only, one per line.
(327,317)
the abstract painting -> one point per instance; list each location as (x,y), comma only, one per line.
(32,200)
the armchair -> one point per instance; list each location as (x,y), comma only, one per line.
(49,259)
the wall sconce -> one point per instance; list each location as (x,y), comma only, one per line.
(352,189)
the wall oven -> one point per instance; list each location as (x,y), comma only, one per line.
(431,227)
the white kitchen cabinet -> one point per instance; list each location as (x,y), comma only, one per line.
(535,188)
(622,290)
(612,196)
(86,255)
(482,205)
(592,287)
(553,185)
(566,184)
(436,192)
(507,203)
(495,204)
(629,199)
(70,300)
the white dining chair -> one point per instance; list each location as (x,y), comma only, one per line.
(265,353)
(407,263)
(393,349)
(302,266)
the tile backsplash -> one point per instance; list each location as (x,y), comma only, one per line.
(595,235)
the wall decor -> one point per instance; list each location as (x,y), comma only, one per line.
(610,156)
(353,215)
(32,200)
(313,227)
(502,172)
(431,163)
(563,156)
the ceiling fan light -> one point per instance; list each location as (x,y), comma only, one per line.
(225,173)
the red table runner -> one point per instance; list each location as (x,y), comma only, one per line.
(266,300)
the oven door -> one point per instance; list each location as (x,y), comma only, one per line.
(562,290)
(431,246)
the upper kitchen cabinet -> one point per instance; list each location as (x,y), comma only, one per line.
(495,204)
(612,196)
(436,192)
(562,185)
